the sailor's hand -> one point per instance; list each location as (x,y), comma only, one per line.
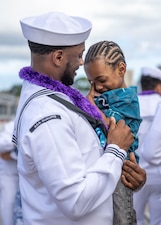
(133,176)
(120,134)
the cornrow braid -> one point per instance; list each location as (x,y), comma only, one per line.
(109,50)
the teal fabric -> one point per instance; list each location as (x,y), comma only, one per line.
(102,137)
(122,103)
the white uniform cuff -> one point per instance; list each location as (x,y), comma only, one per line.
(116,150)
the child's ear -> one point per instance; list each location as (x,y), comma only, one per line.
(122,68)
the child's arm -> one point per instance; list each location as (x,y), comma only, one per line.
(91,94)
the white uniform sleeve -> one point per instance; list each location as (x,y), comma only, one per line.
(152,143)
(6,144)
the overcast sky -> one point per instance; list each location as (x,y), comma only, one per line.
(134,25)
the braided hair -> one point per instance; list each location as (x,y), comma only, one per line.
(109,50)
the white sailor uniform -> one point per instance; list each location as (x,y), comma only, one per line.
(65,179)
(151,193)
(8,175)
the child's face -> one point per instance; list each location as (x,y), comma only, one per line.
(104,77)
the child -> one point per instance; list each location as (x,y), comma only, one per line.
(105,67)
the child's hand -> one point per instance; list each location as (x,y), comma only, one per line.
(120,134)
(91,93)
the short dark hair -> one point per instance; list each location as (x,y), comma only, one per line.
(149,83)
(43,49)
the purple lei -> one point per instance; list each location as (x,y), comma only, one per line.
(77,98)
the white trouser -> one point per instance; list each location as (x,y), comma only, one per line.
(8,190)
(151,195)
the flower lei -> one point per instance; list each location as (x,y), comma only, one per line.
(77,98)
